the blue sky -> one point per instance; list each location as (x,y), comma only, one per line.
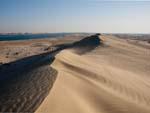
(74,16)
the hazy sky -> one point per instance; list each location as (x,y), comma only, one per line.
(74,16)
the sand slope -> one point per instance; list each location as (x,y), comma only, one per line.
(25,83)
(113,78)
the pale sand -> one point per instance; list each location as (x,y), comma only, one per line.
(113,78)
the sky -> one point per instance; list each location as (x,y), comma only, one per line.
(48,16)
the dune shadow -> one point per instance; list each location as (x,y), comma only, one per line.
(25,83)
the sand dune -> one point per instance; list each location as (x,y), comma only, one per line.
(106,75)
(113,78)
(26,82)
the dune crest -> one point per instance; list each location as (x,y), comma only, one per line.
(110,79)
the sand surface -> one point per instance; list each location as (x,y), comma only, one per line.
(113,78)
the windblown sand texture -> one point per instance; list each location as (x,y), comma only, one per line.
(113,78)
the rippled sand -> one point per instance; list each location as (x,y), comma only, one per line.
(113,78)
